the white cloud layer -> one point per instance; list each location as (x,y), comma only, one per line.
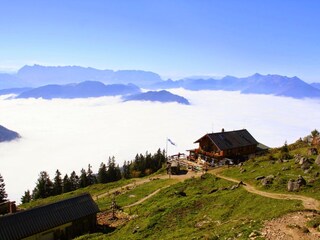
(69,134)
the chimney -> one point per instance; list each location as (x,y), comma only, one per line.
(222,130)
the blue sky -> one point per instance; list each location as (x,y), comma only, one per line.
(174,38)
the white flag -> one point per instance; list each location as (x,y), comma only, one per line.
(171,142)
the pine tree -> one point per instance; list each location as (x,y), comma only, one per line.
(57,183)
(44,187)
(26,197)
(83,181)
(3,194)
(126,170)
(74,180)
(102,174)
(91,178)
(113,172)
(67,185)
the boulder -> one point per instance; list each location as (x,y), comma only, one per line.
(267,180)
(294,186)
(312,151)
(286,168)
(290,185)
(303,160)
(301,181)
(306,165)
(260,178)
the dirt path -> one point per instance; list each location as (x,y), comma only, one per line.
(292,226)
(137,182)
(308,202)
(288,227)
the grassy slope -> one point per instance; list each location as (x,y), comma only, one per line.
(95,189)
(130,196)
(283,172)
(200,214)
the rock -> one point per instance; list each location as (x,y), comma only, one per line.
(243,170)
(312,151)
(260,178)
(293,186)
(233,187)
(213,190)
(305,165)
(267,180)
(318,160)
(301,181)
(286,168)
(181,193)
(135,229)
(312,181)
(302,160)
(290,185)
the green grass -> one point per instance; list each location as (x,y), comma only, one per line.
(283,172)
(129,196)
(95,189)
(201,214)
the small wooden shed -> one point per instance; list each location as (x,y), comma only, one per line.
(64,219)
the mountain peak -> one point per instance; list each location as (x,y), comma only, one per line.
(7,135)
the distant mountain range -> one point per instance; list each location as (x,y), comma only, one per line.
(80,90)
(157,96)
(258,84)
(36,76)
(52,81)
(315,85)
(7,135)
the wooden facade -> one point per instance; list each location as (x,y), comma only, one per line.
(233,144)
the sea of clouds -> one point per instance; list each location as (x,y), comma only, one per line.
(69,134)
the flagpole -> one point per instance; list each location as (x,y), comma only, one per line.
(167,149)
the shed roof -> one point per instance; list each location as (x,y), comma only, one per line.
(232,139)
(35,220)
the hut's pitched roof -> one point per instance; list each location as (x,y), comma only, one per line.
(232,139)
(27,223)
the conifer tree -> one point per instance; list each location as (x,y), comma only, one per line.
(44,187)
(91,178)
(102,174)
(126,170)
(3,194)
(67,185)
(113,172)
(74,181)
(26,197)
(83,181)
(57,183)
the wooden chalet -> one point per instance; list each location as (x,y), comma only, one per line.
(65,219)
(235,145)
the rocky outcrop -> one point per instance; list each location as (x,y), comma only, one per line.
(295,185)
(267,180)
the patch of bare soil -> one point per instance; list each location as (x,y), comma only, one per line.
(107,218)
(292,226)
